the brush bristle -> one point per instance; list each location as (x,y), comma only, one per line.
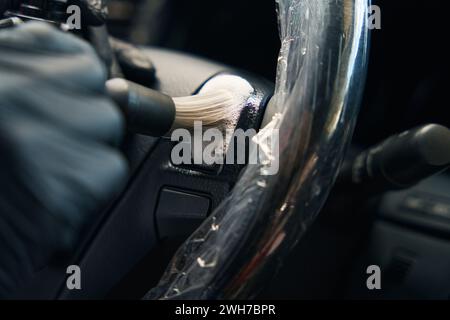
(213,109)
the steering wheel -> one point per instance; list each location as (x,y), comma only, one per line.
(240,220)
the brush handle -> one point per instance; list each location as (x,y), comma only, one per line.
(147,111)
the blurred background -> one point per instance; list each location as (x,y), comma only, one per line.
(409,63)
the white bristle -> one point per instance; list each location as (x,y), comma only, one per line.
(211,108)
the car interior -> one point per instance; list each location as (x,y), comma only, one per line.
(402,228)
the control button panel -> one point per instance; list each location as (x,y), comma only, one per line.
(180,212)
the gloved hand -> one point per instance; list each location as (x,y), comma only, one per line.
(94,12)
(134,63)
(59,134)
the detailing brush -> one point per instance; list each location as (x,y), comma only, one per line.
(153,113)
